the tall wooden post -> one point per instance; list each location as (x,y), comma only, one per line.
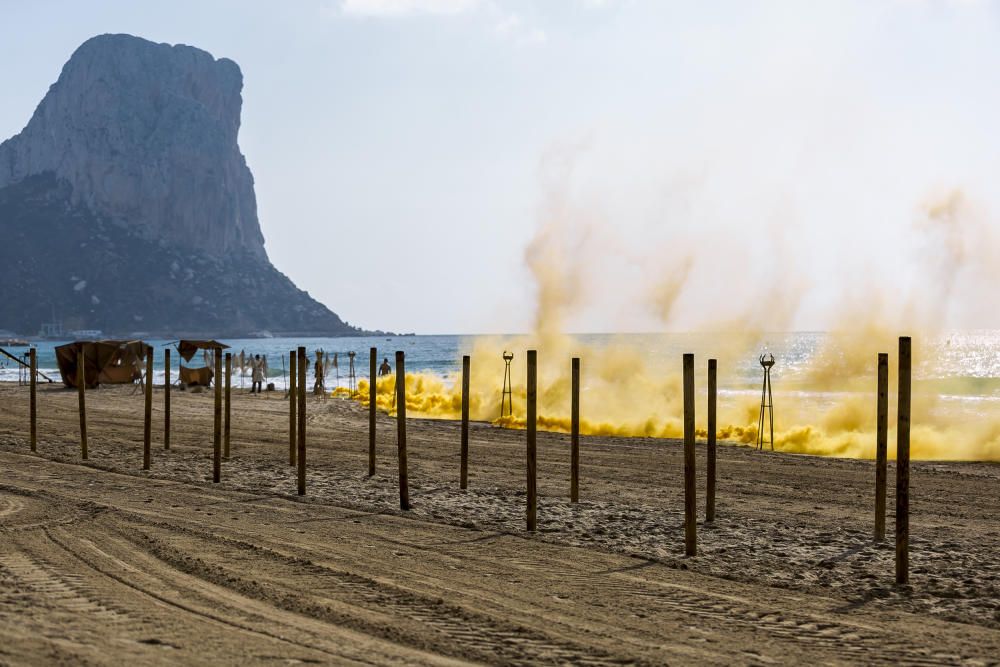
(712,427)
(217,426)
(574,433)
(531,442)
(404,483)
(229,405)
(881,443)
(81,382)
(293,401)
(464,476)
(372,394)
(690,511)
(301,440)
(166,398)
(903,465)
(33,401)
(147,425)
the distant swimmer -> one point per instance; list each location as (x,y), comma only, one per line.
(257,379)
(384,369)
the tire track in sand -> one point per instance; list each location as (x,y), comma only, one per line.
(57,588)
(151,578)
(418,620)
(9,505)
(811,630)
(824,633)
(847,641)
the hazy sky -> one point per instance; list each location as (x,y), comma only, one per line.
(678,165)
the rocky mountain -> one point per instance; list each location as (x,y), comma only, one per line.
(126,204)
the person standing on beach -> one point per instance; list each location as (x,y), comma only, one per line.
(257,379)
(319,387)
(384,369)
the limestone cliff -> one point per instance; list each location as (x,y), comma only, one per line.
(135,148)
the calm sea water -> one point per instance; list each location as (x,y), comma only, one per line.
(964,364)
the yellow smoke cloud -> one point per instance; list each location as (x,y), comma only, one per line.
(648,404)
(826,407)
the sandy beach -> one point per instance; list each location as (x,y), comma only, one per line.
(101,562)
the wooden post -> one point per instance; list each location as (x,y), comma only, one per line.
(690,511)
(372,375)
(881,442)
(404,483)
(903,465)
(712,427)
(532,449)
(32,402)
(147,425)
(574,433)
(166,398)
(229,405)
(81,382)
(293,401)
(217,427)
(301,440)
(464,477)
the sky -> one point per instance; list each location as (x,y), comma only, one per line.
(471,166)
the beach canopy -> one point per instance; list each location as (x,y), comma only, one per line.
(188,348)
(105,361)
(201,376)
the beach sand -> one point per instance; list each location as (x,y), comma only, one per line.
(101,562)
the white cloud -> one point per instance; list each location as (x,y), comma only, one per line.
(390,8)
(509,26)
(514,28)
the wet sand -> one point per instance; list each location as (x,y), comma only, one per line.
(101,562)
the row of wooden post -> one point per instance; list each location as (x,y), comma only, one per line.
(690,493)
(221,430)
(221,439)
(297,436)
(297,433)
(902,453)
(532,391)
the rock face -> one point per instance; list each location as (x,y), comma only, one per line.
(130,170)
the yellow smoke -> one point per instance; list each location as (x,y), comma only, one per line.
(623,395)
(826,407)
(615,398)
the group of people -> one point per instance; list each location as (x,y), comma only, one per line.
(258,372)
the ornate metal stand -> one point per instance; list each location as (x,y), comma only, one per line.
(505,397)
(766,402)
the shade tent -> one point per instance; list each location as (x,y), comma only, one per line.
(199,376)
(104,361)
(188,348)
